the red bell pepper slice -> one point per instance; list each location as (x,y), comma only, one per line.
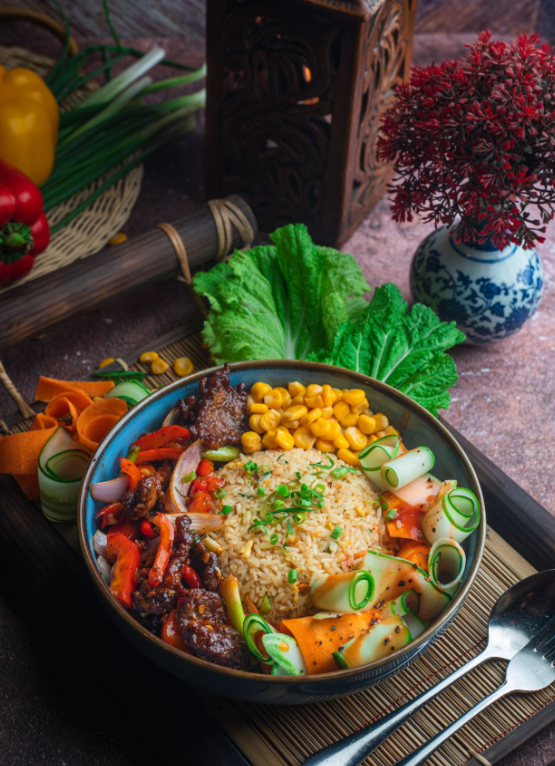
(164,549)
(128,528)
(205,484)
(147,529)
(172,635)
(408,516)
(124,572)
(134,473)
(162,436)
(152,455)
(191,577)
(205,468)
(109,510)
(201,503)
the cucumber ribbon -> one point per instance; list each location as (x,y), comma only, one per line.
(62,465)
(455,513)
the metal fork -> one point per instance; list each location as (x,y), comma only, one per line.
(530,670)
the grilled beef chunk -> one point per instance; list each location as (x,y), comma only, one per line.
(199,604)
(217,643)
(205,565)
(217,415)
(163,598)
(139,501)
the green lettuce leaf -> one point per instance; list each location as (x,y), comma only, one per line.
(404,349)
(280,301)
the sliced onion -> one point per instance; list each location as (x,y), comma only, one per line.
(178,489)
(110,491)
(200,522)
(105,569)
(172,418)
(99,543)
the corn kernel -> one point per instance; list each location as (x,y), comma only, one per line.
(259,390)
(285,397)
(295,412)
(284,439)
(341,410)
(334,430)
(273,399)
(381,434)
(183,366)
(349,420)
(313,390)
(328,396)
(366,424)
(311,416)
(303,438)
(358,409)
(295,389)
(117,239)
(269,440)
(254,423)
(356,438)
(251,441)
(372,438)
(148,356)
(348,457)
(270,420)
(354,396)
(257,408)
(325,446)
(381,421)
(338,394)
(314,401)
(390,431)
(299,399)
(250,400)
(341,442)
(106,362)
(159,367)
(327,412)
(320,428)
(292,425)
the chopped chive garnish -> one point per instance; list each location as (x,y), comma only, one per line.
(260,491)
(299,475)
(279,458)
(264,475)
(278,504)
(289,529)
(219,493)
(391,515)
(325,467)
(245,494)
(250,466)
(190,477)
(337,532)
(320,488)
(321,504)
(274,538)
(293,576)
(341,471)
(383,502)
(283,490)
(299,518)
(225,510)
(132,454)
(266,605)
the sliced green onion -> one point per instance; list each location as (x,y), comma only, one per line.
(391,515)
(320,488)
(299,518)
(222,454)
(322,465)
(266,604)
(229,591)
(226,510)
(321,503)
(260,491)
(299,475)
(283,490)
(189,477)
(293,576)
(219,493)
(341,471)
(121,374)
(279,458)
(278,504)
(133,453)
(250,466)
(337,532)
(289,529)
(274,538)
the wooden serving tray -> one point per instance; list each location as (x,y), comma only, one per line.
(50,575)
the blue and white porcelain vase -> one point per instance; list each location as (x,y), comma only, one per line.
(489,293)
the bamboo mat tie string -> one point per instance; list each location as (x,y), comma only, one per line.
(180,250)
(24,408)
(227,216)
(480,758)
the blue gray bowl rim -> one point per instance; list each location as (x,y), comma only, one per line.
(413,649)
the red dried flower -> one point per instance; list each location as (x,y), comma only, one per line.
(473,142)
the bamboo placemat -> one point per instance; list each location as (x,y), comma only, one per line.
(287,735)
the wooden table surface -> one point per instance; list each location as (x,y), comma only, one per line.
(504,401)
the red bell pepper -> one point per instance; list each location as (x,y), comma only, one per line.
(152,455)
(134,473)
(205,468)
(109,514)
(164,549)
(201,503)
(124,572)
(191,577)
(205,484)
(162,436)
(406,519)
(24,230)
(147,529)
(128,528)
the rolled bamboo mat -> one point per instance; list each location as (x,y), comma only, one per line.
(286,735)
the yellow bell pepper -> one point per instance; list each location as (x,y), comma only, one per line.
(29,120)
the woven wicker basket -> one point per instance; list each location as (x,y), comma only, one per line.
(90,230)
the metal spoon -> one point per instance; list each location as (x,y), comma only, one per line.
(514,621)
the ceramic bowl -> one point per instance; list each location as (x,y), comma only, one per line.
(418,427)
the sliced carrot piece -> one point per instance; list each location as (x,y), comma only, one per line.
(19,453)
(318,639)
(94,422)
(417,553)
(48,388)
(42,421)
(67,407)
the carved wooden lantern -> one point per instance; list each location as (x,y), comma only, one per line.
(295,89)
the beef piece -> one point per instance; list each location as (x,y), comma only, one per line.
(217,643)
(205,564)
(199,604)
(139,501)
(217,415)
(163,598)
